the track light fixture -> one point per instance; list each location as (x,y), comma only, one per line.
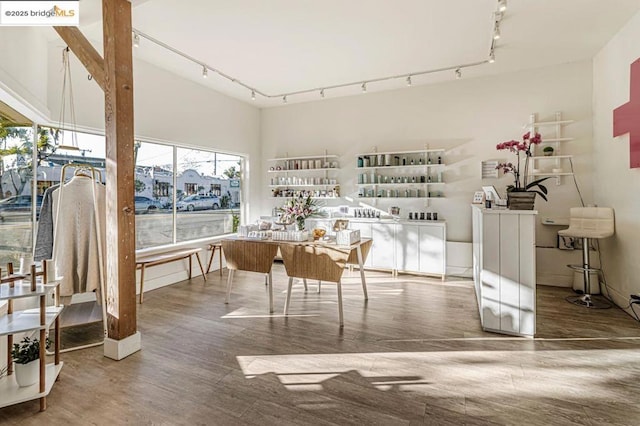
(497,18)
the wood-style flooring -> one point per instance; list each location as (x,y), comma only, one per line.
(413,354)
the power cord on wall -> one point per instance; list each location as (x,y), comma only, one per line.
(575,182)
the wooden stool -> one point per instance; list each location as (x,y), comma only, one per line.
(213,247)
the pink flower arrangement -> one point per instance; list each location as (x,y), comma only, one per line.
(298,209)
(524,147)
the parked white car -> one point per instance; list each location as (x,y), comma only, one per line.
(198,202)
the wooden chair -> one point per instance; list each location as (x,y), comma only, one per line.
(252,256)
(314,262)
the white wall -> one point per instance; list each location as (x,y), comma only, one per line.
(23,69)
(615,184)
(467,117)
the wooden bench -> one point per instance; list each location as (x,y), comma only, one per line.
(145,261)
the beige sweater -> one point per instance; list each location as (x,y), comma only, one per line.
(75,247)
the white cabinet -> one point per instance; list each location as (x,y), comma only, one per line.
(402,174)
(383,247)
(504,269)
(407,245)
(432,254)
(365,232)
(30,320)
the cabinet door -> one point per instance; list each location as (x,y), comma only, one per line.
(383,255)
(365,232)
(510,273)
(490,272)
(407,247)
(432,247)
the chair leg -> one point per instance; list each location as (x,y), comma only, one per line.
(304,280)
(362,278)
(585,299)
(270,292)
(220,256)
(287,300)
(204,276)
(340,304)
(229,281)
(141,284)
(319,285)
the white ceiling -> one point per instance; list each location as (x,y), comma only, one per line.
(280,46)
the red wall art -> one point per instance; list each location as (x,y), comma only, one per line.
(626,118)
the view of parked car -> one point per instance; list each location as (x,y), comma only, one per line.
(198,202)
(18,207)
(147,205)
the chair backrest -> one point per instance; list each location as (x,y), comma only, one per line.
(598,221)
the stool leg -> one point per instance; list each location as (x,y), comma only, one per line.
(220,256)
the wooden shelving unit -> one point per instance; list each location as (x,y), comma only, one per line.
(30,320)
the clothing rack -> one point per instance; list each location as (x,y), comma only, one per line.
(88,171)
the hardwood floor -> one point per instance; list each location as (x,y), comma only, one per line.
(413,354)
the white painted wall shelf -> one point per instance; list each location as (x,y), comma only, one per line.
(302,170)
(408,166)
(320,170)
(539,165)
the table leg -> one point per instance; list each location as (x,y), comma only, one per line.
(362,278)
(201,269)
(141,283)
(340,303)
(229,281)
(288,298)
(304,280)
(213,252)
(319,285)
(270,293)
(220,256)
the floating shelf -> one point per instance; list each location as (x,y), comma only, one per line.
(557,140)
(552,174)
(304,157)
(408,166)
(551,157)
(551,123)
(401,184)
(397,198)
(420,151)
(304,185)
(302,170)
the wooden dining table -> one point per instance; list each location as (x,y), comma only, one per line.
(318,260)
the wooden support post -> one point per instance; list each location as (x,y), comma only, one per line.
(118,95)
(114,74)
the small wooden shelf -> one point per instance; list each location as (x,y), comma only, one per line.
(13,394)
(28,320)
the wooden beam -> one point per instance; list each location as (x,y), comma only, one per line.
(118,95)
(87,54)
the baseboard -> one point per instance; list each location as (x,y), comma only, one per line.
(120,349)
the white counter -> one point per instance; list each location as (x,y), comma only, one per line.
(504,269)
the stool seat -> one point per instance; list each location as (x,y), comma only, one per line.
(588,223)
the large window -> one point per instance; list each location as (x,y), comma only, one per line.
(16,205)
(181,194)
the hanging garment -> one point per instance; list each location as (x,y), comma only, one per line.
(44,237)
(76,253)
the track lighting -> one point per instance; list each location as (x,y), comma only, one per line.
(497,17)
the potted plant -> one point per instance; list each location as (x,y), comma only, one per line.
(298,210)
(521,195)
(25,357)
(548,151)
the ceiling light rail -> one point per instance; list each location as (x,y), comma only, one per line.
(408,77)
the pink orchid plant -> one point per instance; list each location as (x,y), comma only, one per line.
(521,183)
(298,209)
